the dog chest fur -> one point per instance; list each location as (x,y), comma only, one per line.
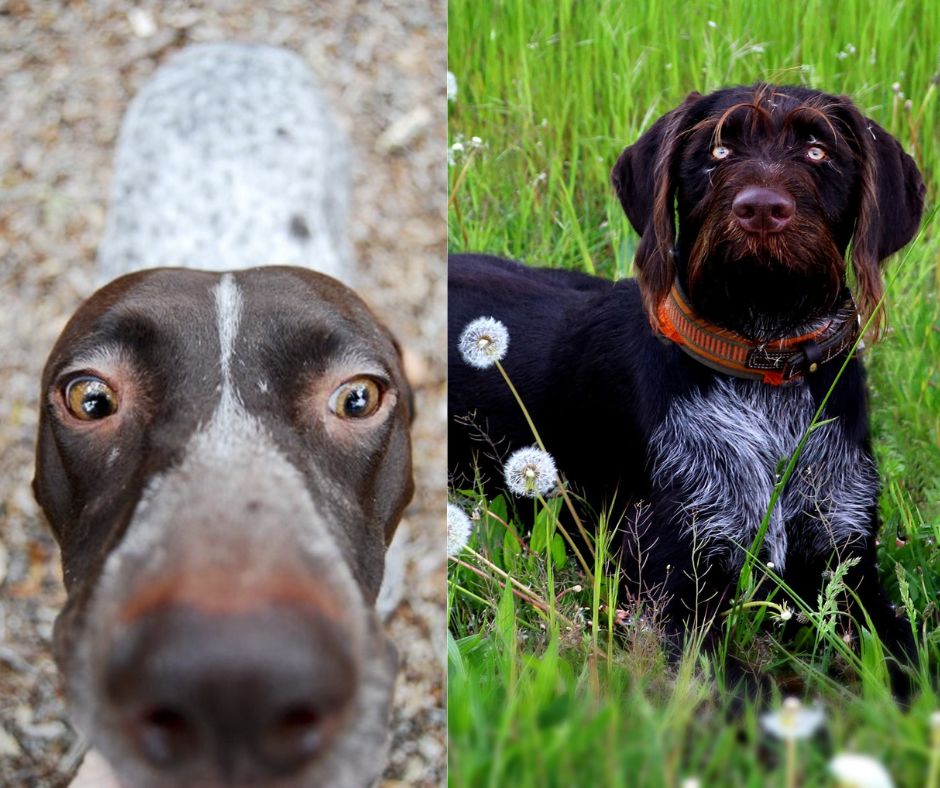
(749,431)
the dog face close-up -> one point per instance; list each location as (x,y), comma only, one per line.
(224,477)
(770,185)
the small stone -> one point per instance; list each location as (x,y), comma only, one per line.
(141,22)
(404,131)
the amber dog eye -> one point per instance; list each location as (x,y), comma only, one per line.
(815,153)
(720,152)
(358,398)
(90,399)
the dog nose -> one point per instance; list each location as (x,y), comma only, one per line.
(248,696)
(762,210)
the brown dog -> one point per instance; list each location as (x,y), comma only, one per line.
(224,456)
(673,401)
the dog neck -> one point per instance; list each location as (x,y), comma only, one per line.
(775,361)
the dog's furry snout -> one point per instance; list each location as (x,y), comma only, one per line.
(246,695)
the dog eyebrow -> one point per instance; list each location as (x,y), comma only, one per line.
(758,115)
(108,353)
(807,111)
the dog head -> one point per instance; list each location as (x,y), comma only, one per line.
(223,460)
(770,185)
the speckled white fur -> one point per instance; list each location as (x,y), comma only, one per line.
(228,158)
(721,451)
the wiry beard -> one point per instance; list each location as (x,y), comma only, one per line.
(763,284)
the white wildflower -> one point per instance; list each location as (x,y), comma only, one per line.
(859,771)
(483,342)
(451,87)
(711,24)
(530,472)
(793,720)
(458,529)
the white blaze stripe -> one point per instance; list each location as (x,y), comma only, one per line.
(228,310)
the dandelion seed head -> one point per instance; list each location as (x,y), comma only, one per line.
(859,771)
(711,24)
(459,528)
(483,342)
(793,720)
(530,472)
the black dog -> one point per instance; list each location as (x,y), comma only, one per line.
(671,400)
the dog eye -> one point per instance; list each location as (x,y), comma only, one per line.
(720,152)
(358,398)
(90,399)
(815,153)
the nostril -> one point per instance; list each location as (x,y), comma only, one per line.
(167,735)
(782,209)
(742,209)
(294,737)
(298,719)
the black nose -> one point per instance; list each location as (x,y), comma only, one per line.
(762,210)
(238,695)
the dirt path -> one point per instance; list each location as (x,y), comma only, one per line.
(67,71)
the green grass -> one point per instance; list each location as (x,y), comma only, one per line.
(554,91)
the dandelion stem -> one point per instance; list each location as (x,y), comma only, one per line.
(561,483)
(460,178)
(791,763)
(525,412)
(933,770)
(571,543)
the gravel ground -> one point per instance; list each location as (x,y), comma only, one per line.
(67,71)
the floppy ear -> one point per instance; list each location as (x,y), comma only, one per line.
(890,206)
(644,179)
